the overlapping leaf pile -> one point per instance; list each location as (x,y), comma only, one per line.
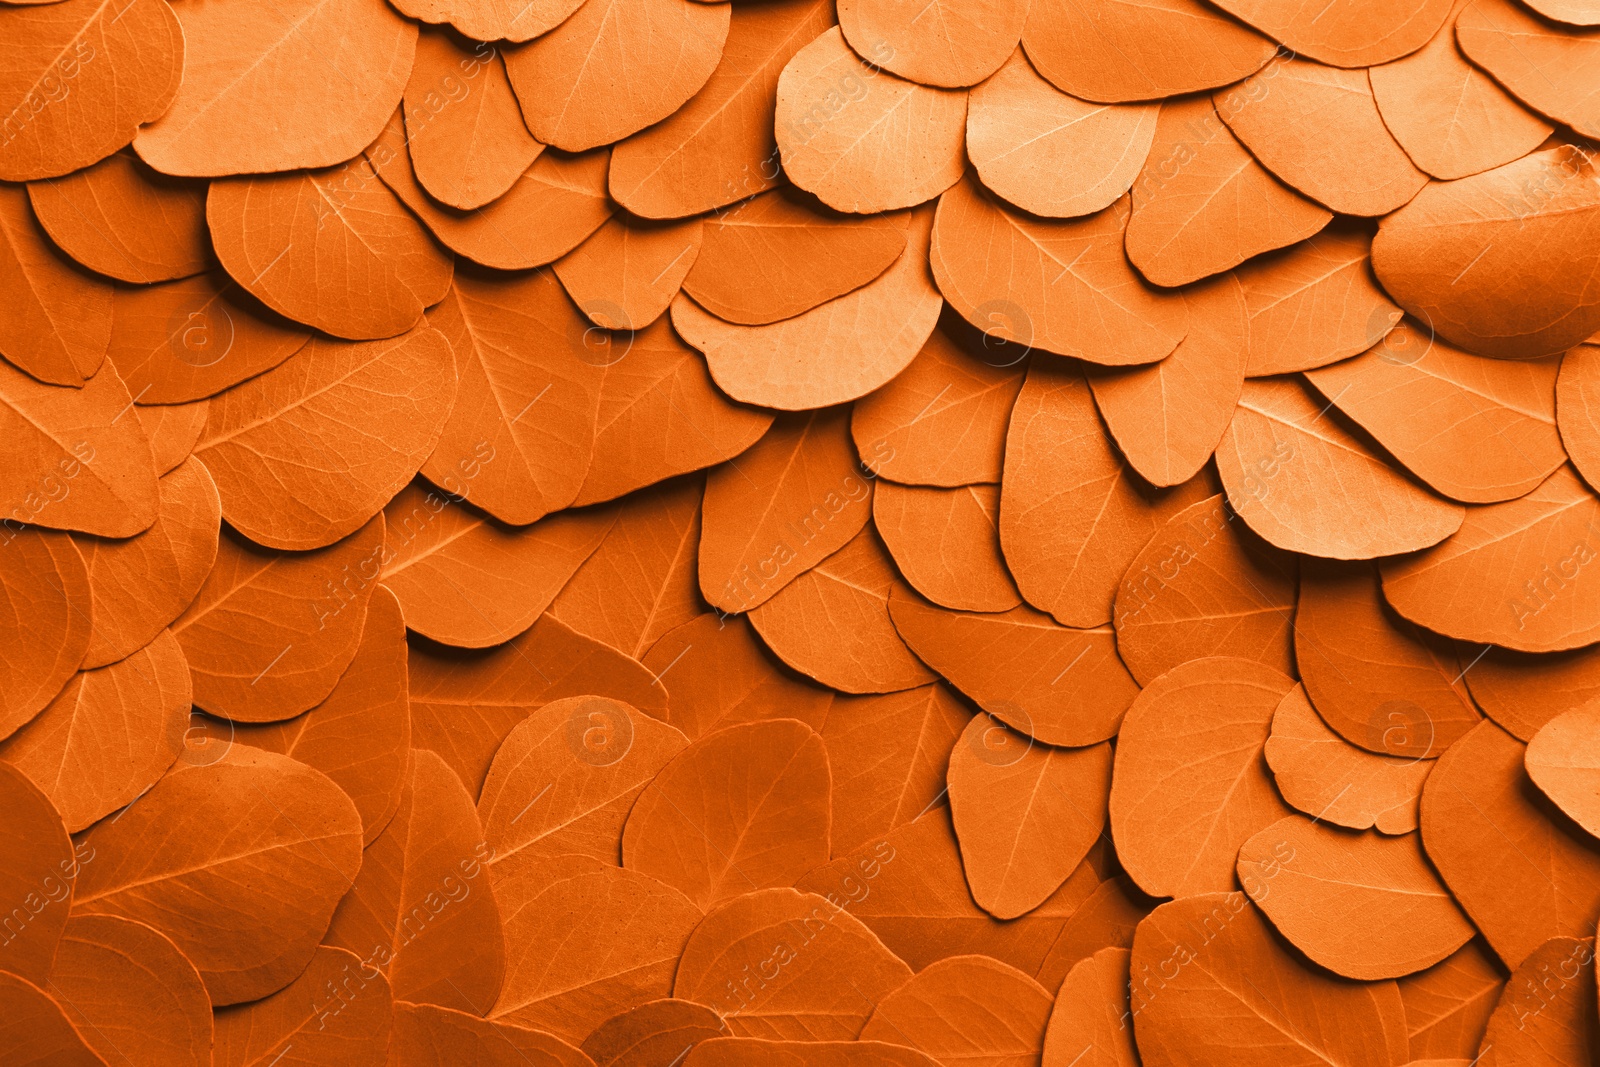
(646,532)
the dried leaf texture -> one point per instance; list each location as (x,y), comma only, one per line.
(1499,263)
(347,998)
(1063,286)
(1314,303)
(464,579)
(361,734)
(76,459)
(236,883)
(942,420)
(633,931)
(65,111)
(1319,130)
(173,430)
(1578,409)
(1204,586)
(492,20)
(464,156)
(1241,999)
(1105,920)
(722,675)
(1025,814)
(784,506)
(422,903)
(45,611)
(1366,906)
(1349,33)
(553,206)
(124,220)
(1544,1016)
(1189,785)
(1561,762)
(1432,406)
(833,623)
(308,83)
(744,808)
(1088,1023)
(268,635)
(1522,691)
(1167,418)
(133,997)
(463,705)
(779,254)
(888,756)
(1448,1005)
(141,584)
(947,44)
(755,1052)
(966,1009)
(1375,679)
(661,1029)
(34,1028)
(1122,51)
(109,735)
(1057,684)
(520,351)
(1451,118)
(1514,575)
(947,544)
(1072,513)
(564,780)
(1519,869)
(615,67)
(1308,483)
(719,147)
(192,338)
(57,322)
(1326,777)
(1051,153)
(834,969)
(39,875)
(640,583)
(1548,67)
(835,352)
(428,1036)
(1202,204)
(625,275)
(334,249)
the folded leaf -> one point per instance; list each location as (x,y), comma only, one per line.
(45,625)
(1354,33)
(1561,762)
(626,273)
(339,1007)
(947,544)
(965,1009)
(946,44)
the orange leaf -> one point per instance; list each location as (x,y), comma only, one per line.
(1545,1013)
(123,219)
(34,1028)
(947,544)
(653,1032)
(239,861)
(56,322)
(173,430)
(829,971)
(1492,262)
(308,83)
(627,272)
(1025,815)
(269,634)
(39,870)
(464,579)
(1090,1015)
(1106,920)
(361,734)
(429,1036)
(1448,1005)
(946,44)
(756,1052)
(1578,409)
(1548,67)
(1561,762)
(744,808)
(1063,286)
(492,20)
(779,254)
(1204,586)
(139,585)
(633,931)
(1203,204)
(1522,691)
(110,734)
(565,778)
(1013,665)
(719,146)
(1522,874)
(966,1009)
(1189,785)
(1348,33)
(345,995)
(464,704)
(80,79)
(1126,50)
(862,139)
(45,626)
(835,352)
(615,67)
